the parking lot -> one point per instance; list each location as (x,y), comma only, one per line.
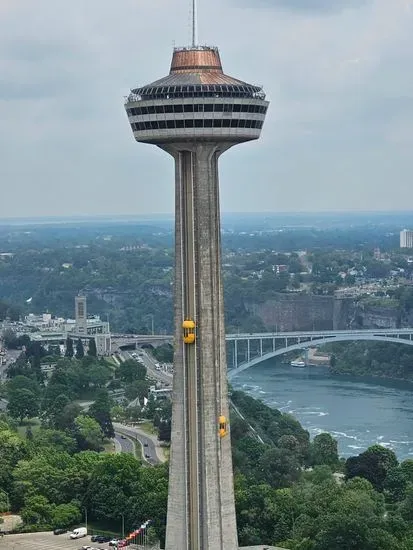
(46,541)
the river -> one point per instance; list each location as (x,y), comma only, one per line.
(358,412)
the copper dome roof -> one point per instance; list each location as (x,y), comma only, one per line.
(198,65)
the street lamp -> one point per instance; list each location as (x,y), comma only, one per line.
(123,526)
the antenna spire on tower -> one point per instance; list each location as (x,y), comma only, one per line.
(194,24)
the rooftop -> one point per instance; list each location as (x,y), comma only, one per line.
(197,66)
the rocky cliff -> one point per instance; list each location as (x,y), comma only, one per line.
(294,311)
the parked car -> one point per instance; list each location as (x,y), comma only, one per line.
(59,531)
(101,538)
(113,542)
(78,533)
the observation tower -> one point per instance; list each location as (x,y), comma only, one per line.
(195,114)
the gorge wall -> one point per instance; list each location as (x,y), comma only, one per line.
(293,312)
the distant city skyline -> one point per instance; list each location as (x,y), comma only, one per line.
(337,137)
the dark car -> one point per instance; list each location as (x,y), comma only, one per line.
(100,538)
(59,531)
(145,444)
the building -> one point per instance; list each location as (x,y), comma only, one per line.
(406,238)
(81,314)
(161,394)
(51,330)
(195,114)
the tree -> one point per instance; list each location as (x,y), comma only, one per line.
(37,512)
(112,484)
(53,409)
(23,403)
(373,465)
(164,429)
(406,506)
(131,370)
(100,411)
(137,389)
(20,382)
(29,433)
(278,467)
(10,339)
(341,532)
(65,515)
(66,420)
(80,352)
(323,450)
(395,484)
(69,347)
(55,439)
(92,351)
(88,433)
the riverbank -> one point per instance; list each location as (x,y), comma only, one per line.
(383,360)
(357,412)
(313,357)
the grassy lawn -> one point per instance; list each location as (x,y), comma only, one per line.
(138,450)
(109,447)
(148,428)
(166,452)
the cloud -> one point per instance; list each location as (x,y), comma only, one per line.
(337,135)
(308,6)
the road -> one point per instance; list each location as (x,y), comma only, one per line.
(46,541)
(150,364)
(152,452)
(125,445)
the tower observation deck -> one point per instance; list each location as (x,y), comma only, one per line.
(195,114)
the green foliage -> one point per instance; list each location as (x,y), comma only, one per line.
(138,388)
(92,351)
(56,439)
(65,515)
(22,403)
(373,359)
(373,465)
(164,353)
(69,347)
(278,502)
(131,370)
(100,411)
(271,424)
(323,450)
(88,433)
(80,352)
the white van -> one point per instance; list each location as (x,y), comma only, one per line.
(78,533)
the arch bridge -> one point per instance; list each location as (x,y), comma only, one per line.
(246,350)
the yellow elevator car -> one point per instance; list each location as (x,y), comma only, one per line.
(189,331)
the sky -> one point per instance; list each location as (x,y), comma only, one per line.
(338,134)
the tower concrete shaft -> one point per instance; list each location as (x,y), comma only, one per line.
(201,512)
(196,113)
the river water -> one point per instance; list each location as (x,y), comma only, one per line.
(358,412)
